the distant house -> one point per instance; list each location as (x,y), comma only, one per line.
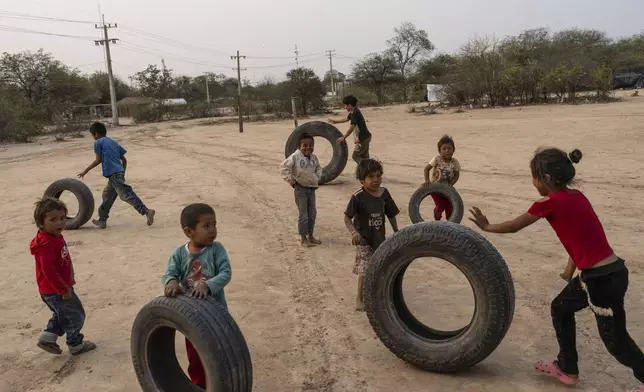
(174,102)
(130,106)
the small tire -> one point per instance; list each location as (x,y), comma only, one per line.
(408,338)
(322,129)
(436,188)
(211,330)
(83,195)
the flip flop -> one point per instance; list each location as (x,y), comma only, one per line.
(551,369)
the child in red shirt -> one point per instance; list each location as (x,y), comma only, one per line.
(603,280)
(55,277)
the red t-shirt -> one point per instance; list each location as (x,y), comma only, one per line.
(54,271)
(572,217)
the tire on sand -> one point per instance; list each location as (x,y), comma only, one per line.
(83,195)
(408,338)
(211,330)
(436,188)
(322,129)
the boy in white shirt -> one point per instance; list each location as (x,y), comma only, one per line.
(302,171)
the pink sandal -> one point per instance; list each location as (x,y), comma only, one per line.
(551,369)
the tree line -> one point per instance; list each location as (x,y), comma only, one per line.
(537,65)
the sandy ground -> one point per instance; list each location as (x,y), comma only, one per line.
(294,305)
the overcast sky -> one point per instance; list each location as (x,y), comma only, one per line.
(215,29)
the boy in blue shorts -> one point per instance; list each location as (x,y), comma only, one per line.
(111,156)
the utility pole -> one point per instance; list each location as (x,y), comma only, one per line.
(330,54)
(207,90)
(239,90)
(110,76)
(297,60)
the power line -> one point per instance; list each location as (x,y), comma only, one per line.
(144,50)
(14,29)
(17,15)
(168,41)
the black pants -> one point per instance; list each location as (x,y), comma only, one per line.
(603,289)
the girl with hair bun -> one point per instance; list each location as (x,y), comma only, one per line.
(603,278)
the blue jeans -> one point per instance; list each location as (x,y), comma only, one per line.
(305,201)
(116,187)
(68,318)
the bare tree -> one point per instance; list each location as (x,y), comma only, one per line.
(375,72)
(407,46)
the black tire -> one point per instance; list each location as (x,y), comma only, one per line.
(322,129)
(432,188)
(408,338)
(211,330)
(83,195)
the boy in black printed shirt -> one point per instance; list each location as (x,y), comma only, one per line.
(365,217)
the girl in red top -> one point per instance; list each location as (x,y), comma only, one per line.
(603,280)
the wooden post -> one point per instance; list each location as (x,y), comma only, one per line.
(294,108)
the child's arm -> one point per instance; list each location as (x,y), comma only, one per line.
(218,282)
(394,223)
(172,275)
(355,236)
(97,161)
(428,169)
(569,270)
(124,162)
(286,170)
(512,226)
(318,168)
(457,174)
(46,257)
(334,121)
(347,134)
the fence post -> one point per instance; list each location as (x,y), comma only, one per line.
(294,108)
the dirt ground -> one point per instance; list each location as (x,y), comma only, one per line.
(295,306)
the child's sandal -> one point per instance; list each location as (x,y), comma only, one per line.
(551,369)
(50,347)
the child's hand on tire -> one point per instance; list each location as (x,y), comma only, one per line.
(201,291)
(172,289)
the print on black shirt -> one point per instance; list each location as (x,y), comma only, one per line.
(357,119)
(368,213)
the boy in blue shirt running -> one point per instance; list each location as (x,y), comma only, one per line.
(111,156)
(200,268)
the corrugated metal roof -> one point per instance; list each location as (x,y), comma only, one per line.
(174,101)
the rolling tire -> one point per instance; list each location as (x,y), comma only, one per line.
(322,129)
(408,338)
(211,330)
(433,188)
(83,195)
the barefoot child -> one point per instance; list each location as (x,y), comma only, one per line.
(447,170)
(55,277)
(603,280)
(200,267)
(365,217)
(111,156)
(361,134)
(302,171)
